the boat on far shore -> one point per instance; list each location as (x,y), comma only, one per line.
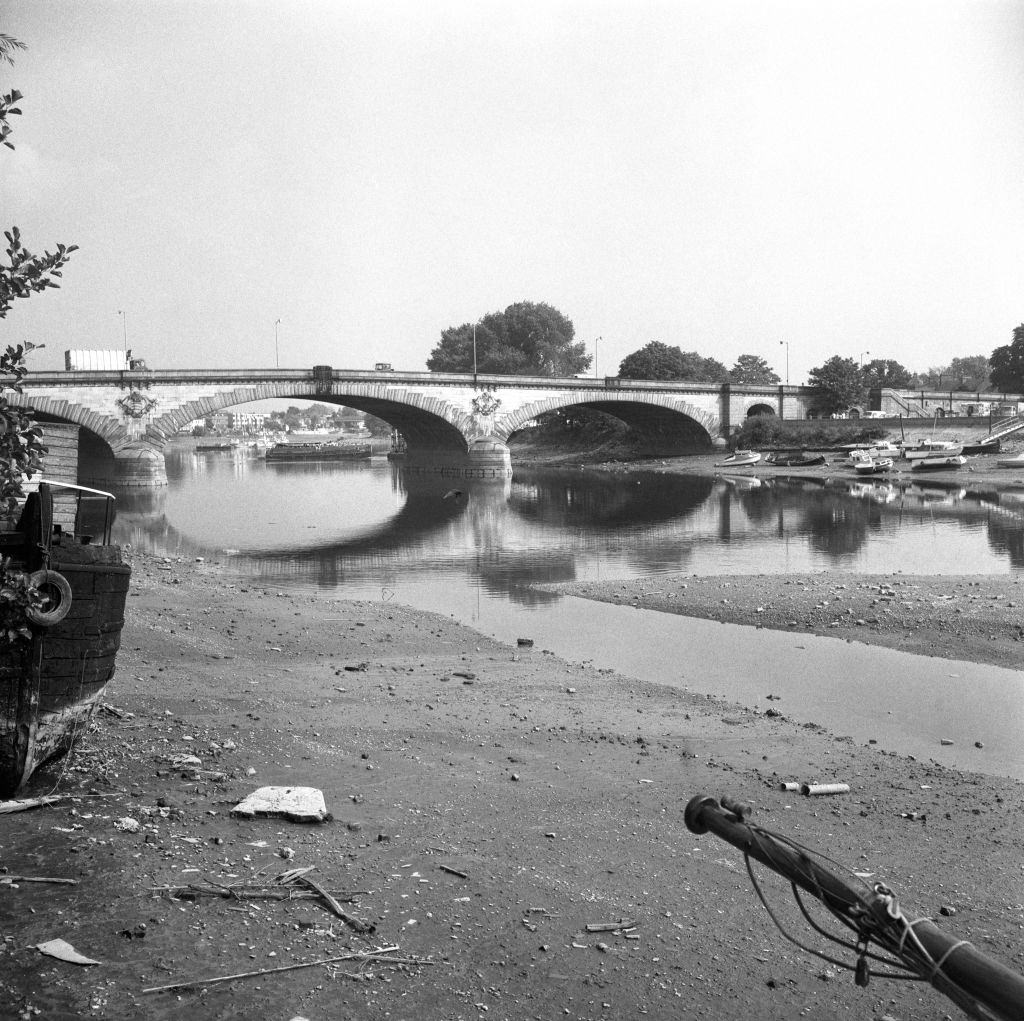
(327,451)
(873,465)
(932,448)
(938,462)
(782,459)
(989,445)
(1017,461)
(738,458)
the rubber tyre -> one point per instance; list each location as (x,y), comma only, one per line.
(55,587)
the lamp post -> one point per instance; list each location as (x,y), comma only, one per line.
(124,325)
(862,354)
(786,343)
(277,349)
(596,339)
(474,352)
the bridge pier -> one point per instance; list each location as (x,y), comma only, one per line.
(140,466)
(486,459)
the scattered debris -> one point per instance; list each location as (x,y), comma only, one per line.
(297,804)
(24,804)
(622,923)
(63,951)
(7,879)
(812,789)
(454,872)
(525,643)
(368,955)
(127,825)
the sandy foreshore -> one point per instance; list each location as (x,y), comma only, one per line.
(489,804)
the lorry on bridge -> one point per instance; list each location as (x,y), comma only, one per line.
(101,361)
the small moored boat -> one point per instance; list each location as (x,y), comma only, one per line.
(739,457)
(989,445)
(1017,461)
(783,460)
(938,462)
(931,448)
(873,465)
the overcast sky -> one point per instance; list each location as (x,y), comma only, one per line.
(721,176)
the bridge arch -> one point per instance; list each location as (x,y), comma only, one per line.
(106,428)
(759,408)
(427,422)
(665,423)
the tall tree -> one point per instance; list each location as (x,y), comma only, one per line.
(527,339)
(969,373)
(840,384)
(24,273)
(1008,364)
(885,372)
(654,360)
(753,369)
(659,361)
(699,369)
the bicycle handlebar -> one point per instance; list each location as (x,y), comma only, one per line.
(986,981)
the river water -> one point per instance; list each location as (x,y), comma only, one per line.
(474,549)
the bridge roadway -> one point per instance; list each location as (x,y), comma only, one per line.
(458,423)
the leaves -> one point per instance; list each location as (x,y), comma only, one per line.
(528,338)
(26,273)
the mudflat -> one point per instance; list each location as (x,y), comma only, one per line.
(507,836)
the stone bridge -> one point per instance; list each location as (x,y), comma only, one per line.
(451,421)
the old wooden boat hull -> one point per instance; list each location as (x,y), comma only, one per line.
(50,684)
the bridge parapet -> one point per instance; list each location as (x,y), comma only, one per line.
(449,417)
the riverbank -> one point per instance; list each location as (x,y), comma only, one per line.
(491,805)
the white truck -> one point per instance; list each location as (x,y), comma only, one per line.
(101,361)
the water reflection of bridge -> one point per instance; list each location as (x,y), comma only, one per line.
(496,532)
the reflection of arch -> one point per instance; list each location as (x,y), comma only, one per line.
(660,421)
(428,423)
(760,409)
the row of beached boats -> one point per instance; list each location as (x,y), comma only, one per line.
(923,455)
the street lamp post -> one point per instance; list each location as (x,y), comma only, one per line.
(596,339)
(862,354)
(786,343)
(124,325)
(277,349)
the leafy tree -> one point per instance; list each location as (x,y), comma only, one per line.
(840,384)
(653,361)
(1008,364)
(970,373)
(659,361)
(698,369)
(21,451)
(885,372)
(753,369)
(527,339)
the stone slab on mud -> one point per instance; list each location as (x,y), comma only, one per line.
(297,804)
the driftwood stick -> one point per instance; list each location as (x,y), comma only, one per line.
(350,920)
(368,955)
(37,879)
(623,923)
